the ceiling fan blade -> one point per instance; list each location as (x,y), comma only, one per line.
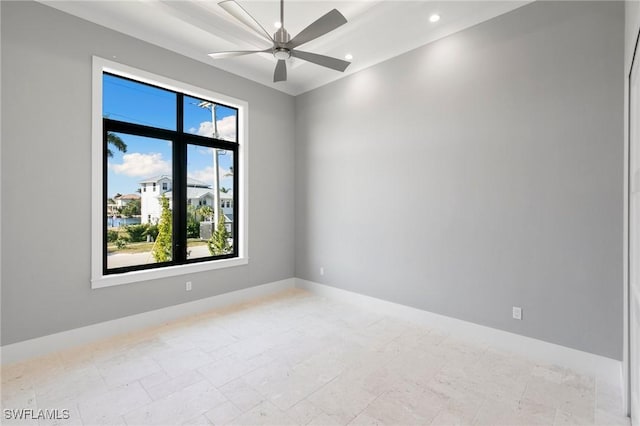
(323,25)
(231,54)
(238,12)
(280,74)
(325,61)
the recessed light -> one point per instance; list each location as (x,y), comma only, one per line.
(434,18)
(348,56)
(278,25)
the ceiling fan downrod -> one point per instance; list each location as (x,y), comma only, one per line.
(281,37)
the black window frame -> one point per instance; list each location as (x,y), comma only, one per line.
(179,142)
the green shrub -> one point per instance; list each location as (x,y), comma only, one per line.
(193,229)
(137,233)
(112,235)
(152,230)
(162,249)
(219,242)
(121,243)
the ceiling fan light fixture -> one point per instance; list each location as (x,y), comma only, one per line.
(281,53)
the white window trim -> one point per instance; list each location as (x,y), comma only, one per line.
(98,279)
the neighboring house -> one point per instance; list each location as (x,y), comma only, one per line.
(151,189)
(112,209)
(123,200)
(198,194)
(115,204)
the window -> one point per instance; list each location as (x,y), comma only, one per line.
(153,130)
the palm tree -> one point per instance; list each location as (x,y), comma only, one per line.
(224,190)
(206,212)
(117,142)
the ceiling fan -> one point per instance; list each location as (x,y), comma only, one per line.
(284,47)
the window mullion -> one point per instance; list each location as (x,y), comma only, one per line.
(105,167)
(179,187)
(236,186)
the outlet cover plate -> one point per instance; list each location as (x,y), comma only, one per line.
(517,313)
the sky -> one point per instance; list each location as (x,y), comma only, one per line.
(125,100)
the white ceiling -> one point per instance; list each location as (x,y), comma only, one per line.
(376,30)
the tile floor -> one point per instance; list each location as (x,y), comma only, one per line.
(298,359)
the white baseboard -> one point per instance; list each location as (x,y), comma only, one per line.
(54,342)
(537,350)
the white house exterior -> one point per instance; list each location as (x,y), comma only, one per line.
(150,190)
(198,194)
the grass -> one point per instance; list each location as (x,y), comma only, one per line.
(193,242)
(145,247)
(131,248)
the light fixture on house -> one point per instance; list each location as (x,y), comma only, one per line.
(434,18)
(348,56)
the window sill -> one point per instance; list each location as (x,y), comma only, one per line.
(169,271)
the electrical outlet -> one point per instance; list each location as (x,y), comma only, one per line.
(188,286)
(517,313)
(322,270)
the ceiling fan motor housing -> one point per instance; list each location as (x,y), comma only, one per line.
(281,37)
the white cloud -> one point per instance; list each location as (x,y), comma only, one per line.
(226,128)
(142,165)
(205,151)
(206,175)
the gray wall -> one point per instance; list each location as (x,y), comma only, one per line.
(632,25)
(46,175)
(477,173)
